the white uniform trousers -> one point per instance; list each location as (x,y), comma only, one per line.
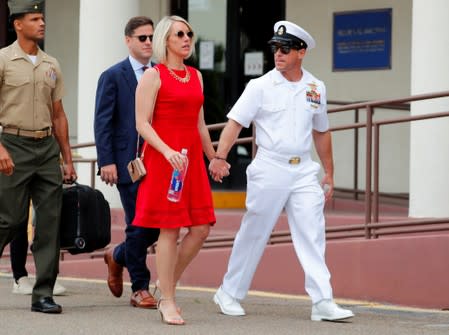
(274,184)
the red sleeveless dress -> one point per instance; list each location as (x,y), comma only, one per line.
(175,119)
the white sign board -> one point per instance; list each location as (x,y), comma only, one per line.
(207,55)
(253,63)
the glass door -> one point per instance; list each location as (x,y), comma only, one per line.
(208,17)
(231,49)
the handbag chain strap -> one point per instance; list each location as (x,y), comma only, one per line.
(143,148)
(138,136)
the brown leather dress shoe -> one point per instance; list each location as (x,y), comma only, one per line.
(143,299)
(115,274)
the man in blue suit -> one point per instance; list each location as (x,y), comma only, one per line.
(117,142)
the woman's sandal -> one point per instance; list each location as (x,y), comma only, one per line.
(157,290)
(175,321)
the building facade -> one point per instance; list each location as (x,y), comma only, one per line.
(86,36)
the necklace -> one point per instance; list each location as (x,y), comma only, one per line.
(178,78)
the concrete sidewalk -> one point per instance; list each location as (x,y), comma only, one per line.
(89,308)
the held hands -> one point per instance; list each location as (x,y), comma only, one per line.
(219,168)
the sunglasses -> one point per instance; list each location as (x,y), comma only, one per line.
(143,38)
(181,34)
(285,49)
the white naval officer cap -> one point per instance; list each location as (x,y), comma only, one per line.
(286,32)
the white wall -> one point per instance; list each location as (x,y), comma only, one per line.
(155,9)
(63,44)
(317,18)
(429,180)
(102,44)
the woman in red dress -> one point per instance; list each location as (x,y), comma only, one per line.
(170,117)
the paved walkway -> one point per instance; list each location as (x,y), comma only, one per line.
(89,308)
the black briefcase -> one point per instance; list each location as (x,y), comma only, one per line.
(85,220)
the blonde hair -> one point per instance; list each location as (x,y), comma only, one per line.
(161,33)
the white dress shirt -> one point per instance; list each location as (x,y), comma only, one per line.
(138,67)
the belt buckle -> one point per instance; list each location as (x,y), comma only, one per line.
(39,134)
(294,160)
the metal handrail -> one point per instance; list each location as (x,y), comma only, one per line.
(372,128)
(371,195)
(398,101)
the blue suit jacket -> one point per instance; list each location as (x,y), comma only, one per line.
(115,121)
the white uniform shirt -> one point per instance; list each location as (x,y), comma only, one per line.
(283,112)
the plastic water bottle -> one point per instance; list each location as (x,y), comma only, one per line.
(177,181)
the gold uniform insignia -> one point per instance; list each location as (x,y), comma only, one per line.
(281,31)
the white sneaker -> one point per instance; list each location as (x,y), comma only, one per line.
(327,310)
(58,289)
(23,286)
(228,304)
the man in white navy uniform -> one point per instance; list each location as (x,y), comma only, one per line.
(288,107)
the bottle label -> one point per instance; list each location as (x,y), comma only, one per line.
(177,185)
(176,181)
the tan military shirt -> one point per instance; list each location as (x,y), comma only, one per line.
(27,90)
